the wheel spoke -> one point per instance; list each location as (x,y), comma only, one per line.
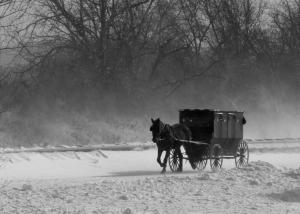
(217,162)
(244,162)
(241,162)
(216,156)
(242,154)
(174,161)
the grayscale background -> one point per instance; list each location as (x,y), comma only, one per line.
(80,81)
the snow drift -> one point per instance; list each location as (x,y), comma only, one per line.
(257,188)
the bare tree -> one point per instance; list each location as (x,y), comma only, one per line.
(214,32)
(287,20)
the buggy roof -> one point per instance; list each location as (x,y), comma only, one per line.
(207,111)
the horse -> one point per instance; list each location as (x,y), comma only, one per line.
(166,138)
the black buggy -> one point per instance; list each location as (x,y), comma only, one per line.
(216,135)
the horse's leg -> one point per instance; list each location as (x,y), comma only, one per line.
(180,156)
(166,160)
(159,152)
(189,151)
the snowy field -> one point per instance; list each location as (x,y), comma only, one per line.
(130,182)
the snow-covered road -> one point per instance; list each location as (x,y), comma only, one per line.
(257,188)
(127,182)
(117,163)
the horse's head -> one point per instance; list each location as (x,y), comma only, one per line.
(156,129)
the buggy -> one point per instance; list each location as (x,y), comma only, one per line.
(216,135)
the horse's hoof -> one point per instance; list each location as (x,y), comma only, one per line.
(193,165)
(163,171)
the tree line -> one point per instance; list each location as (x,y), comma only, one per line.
(132,52)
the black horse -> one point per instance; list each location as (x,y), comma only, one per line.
(166,138)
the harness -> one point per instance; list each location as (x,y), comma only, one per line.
(167,132)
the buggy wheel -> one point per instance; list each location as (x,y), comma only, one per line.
(174,161)
(202,162)
(242,154)
(216,156)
